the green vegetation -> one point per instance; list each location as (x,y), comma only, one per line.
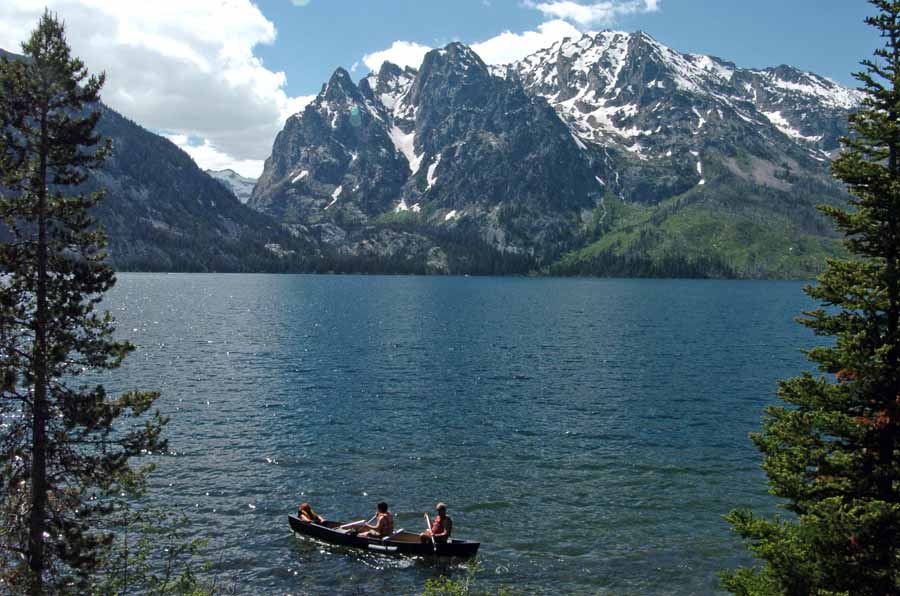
(831,453)
(723,229)
(464,586)
(151,555)
(66,446)
(402,218)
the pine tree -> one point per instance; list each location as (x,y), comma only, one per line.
(832,452)
(64,446)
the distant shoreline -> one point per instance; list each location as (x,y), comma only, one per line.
(463,275)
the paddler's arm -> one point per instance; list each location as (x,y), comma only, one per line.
(377,525)
(380,525)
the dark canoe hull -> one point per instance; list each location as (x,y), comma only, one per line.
(331,534)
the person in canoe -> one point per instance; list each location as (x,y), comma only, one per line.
(384,523)
(441,526)
(306,513)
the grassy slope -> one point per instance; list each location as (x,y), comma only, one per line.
(724,229)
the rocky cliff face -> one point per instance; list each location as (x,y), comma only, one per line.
(334,162)
(449,152)
(608,148)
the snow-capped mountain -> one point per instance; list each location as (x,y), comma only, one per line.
(623,89)
(654,107)
(240,186)
(612,144)
(449,149)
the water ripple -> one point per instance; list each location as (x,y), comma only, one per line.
(591,433)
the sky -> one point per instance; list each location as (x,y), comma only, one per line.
(220,77)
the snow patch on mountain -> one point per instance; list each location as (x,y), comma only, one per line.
(431,171)
(405,143)
(827,91)
(784,126)
(335,196)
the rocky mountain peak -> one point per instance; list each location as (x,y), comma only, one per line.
(340,88)
(455,61)
(460,53)
(455,73)
(521,157)
(389,89)
(630,92)
(389,74)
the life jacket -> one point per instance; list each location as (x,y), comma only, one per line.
(440,523)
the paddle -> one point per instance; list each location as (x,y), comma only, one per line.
(428,523)
(357,523)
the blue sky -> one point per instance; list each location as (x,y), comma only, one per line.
(825,36)
(220,77)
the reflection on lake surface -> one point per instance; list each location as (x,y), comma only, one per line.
(591,433)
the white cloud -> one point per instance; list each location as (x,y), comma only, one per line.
(210,158)
(501,49)
(184,67)
(567,19)
(401,53)
(592,14)
(509,47)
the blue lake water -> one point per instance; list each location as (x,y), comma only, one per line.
(590,433)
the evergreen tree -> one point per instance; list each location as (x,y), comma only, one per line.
(63,449)
(832,452)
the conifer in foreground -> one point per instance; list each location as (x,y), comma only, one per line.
(64,448)
(832,453)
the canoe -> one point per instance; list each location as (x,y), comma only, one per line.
(400,542)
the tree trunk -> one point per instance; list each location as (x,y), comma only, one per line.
(37,523)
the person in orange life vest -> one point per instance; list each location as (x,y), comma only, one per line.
(441,526)
(384,523)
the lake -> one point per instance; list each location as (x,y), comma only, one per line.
(590,433)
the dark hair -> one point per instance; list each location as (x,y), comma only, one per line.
(382,507)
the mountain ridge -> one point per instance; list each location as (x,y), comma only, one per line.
(609,154)
(525,159)
(161,212)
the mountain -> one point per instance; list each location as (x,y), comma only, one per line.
(705,163)
(240,186)
(452,163)
(163,213)
(607,154)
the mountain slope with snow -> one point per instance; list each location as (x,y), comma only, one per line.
(450,152)
(240,186)
(541,158)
